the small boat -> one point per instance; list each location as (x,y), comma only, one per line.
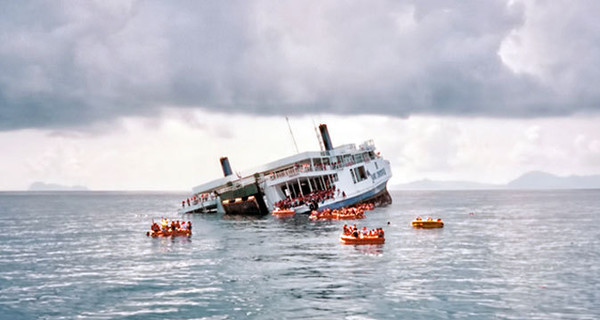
(335,216)
(284,212)
(428,223)
(176,233)
(345,213)
(361,239)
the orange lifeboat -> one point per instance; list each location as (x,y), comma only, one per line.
(428,223)
(337,214)
(284,212)
(361,239)
(176,233)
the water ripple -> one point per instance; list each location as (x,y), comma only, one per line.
(84,255)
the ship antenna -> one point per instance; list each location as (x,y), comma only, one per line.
(319,138)
(294,139)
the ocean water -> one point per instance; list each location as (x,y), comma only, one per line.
(501,254)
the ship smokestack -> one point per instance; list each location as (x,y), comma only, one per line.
(325,136)
(226,166)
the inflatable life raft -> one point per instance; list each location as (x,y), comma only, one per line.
(428,223)
(350,239)
(176,233)
(284,212)
(315,215)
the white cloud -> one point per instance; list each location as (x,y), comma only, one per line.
(176,153)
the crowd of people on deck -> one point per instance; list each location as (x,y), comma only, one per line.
(198,198)
(332,166)
(166,228)
(346,213)
(361,233)
(319,196)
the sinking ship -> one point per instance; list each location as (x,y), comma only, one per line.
(331,178)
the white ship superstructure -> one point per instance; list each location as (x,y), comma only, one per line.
(332,178)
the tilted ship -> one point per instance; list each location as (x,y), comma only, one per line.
(331,178)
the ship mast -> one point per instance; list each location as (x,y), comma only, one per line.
(292,134)
(319,138)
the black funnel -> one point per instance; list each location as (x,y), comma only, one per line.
(226,166)
(325,136)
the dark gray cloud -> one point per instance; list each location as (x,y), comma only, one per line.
(71,63)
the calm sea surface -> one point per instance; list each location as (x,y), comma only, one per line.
(520,255)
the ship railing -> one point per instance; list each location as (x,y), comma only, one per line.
(198,204)
(285,173)
(294,171)
(199,198)
(337,166)
(204,200)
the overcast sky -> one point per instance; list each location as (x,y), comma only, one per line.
(149,94)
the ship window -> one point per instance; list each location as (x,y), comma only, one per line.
(358,158)
(362,174)
(359,174)
(376,166)
(348,160)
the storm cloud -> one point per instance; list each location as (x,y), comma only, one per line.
(72,63)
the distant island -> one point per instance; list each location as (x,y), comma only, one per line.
(427,184)
(530,180)
(42,186)
(544,180)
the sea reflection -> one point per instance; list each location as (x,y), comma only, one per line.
(520,255)
(370,250)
